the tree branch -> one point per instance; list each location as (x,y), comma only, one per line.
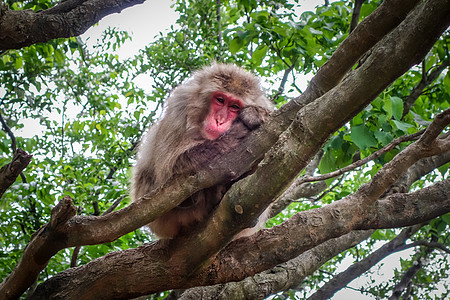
(178,269)
(21,28)
(432,245)
(292,192)
(369,32)
(424,82)
(410,273)
(355,14)
(243,257)
(283,276)
(357,269)
(9,172)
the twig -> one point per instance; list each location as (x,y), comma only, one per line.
(9,132)
(283,82)
(361,162)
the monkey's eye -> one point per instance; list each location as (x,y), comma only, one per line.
(220,100)
(235,106)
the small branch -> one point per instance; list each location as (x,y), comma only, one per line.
(283,82)
(427,145)
(424,82)
(13,143)
(9,172)
(299,190)
(219,22)
(9,132)
(361,162)
(355,15)
(357,269)
(432,245)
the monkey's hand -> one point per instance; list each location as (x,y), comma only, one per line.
(253,116)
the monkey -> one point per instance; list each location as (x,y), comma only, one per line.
(207,115)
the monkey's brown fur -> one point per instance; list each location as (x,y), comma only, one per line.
(167,147)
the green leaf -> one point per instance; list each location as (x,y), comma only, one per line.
(59,57)
(447,83)
(387,106)
(18,63)
(363,137)
(446,218)
(402,125)
(383,137)
(259,54)
(235,45)
(327,163)
(397,107)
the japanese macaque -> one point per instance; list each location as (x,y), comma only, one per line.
(217,104)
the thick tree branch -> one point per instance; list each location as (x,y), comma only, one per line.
(369,32)
(420,168)
(307,133)
(21,28)
(329,216)
(283,276)
(37,253)
(243,257)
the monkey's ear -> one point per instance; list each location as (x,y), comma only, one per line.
(253,116)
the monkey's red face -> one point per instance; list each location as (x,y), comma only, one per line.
(223,110)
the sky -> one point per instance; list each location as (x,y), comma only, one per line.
(146,20)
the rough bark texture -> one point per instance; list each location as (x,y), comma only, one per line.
(282,277)
(292,273)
